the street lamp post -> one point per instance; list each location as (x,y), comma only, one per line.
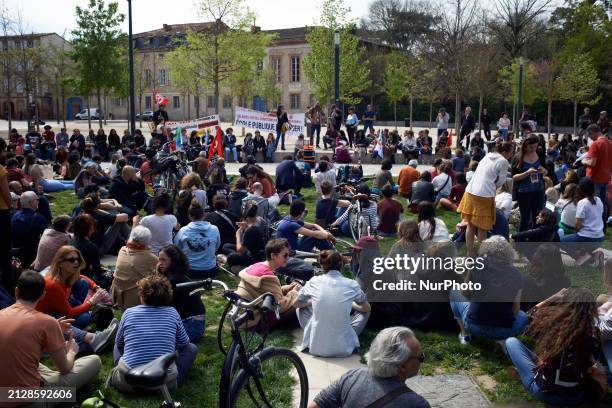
(131,62)
(337,71)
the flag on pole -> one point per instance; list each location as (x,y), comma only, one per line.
(379,144)
(159,98)
(217,145)
(449,143)
(179,139)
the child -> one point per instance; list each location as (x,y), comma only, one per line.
(452,201)
(299,144)
(561,168)
(269,148)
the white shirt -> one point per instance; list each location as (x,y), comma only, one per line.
(568,212)
(490,174)
(591,215)
(443,121)
(440,233)
(442,184)
(503,201)
(329,175)
(351,120)
(161,227)
(504,123)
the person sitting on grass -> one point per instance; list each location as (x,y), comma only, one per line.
(383,177)
(503,198)
(193,182)
(442,182)
(134,262)
(327,206)
(493,312)
(545,229)
(83,228)
(67,292)
(251,237)
(324,173)
(332,310)
(389,213)
(456,194)
(561,370)
(174,265)
(129,190)
(395,355)
(368,212)
(239,192)
(51,240)
(312,235)
(431,228)
(565,210)
(112,230)
(199,240)
(259,278)
(160,223)
(422,190)
(27,334)
(149,331)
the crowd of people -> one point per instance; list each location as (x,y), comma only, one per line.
(548,193)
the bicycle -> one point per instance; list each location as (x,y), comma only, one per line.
(249,371)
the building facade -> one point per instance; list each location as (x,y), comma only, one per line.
(285,56)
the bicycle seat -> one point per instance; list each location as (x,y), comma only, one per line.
(152,374)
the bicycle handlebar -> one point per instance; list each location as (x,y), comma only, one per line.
(202,284)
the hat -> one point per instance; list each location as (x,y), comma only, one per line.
(413,163)
(47,127)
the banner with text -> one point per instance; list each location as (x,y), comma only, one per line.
(266,122)
(200,124)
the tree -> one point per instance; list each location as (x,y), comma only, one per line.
(60,72)
(7,64)
(267,88)
(515,24)
(97,55)
(229,48)
(428,85)
(398,81)
(546,74)
(578,82)
(509,81)
(187,72)
(451,44)
(402,24)
(319,63)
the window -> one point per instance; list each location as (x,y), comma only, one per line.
(147,76)
(276,68)
(295,101)
(176,102)
(210,101)
(163,79)
(227,102)
(147,102)
(295,69)
(118,102)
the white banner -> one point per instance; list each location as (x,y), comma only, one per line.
(200,124)
(266,122)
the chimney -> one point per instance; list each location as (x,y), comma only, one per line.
(167,27)
(255,29)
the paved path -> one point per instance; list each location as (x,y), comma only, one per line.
(444,391)
(368,169)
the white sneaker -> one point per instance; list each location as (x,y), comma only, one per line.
(464,340)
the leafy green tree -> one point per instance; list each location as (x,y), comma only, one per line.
(508,83)
(399,83)
(267,88)
(187,72)
(227,51)
(319,63)
(578,82)
(546,74)
(97,55)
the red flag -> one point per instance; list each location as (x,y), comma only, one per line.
(217,145)
(449,143)
(159,99)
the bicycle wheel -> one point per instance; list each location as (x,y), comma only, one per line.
(228,374)
(283,380)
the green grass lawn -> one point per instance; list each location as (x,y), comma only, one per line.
(482,359)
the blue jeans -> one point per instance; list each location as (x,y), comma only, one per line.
(316,129)
(306,244)
(601,191)
(590,244)
(460,312)
(367,125)
(524,361)
(194,328)
(55,186)
(78,294)
(279,136)
(503,133)
(232,150)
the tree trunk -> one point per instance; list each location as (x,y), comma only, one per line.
(105,107)
(395,113)
(189,106)
(198,106)
(549,119)
(411,100)
(480,98)
(457,117)
(515,119)
(99,95)
(64,108)
(575,115)
(88,111)
(430,114)
(139,107)
(57,109)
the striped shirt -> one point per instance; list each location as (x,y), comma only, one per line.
(370,214)
(147,332)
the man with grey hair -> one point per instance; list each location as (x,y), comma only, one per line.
(26,227)
(129,190)
(395,355)
(264,208)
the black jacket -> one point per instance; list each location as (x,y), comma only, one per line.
(123,192)
(467,123)
(160,116)
(422,191)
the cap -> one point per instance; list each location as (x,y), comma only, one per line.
(413,163)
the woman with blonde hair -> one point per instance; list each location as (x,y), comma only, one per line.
(66,290)
(193,182)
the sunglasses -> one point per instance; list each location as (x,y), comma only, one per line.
(73,260)
(420,357)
